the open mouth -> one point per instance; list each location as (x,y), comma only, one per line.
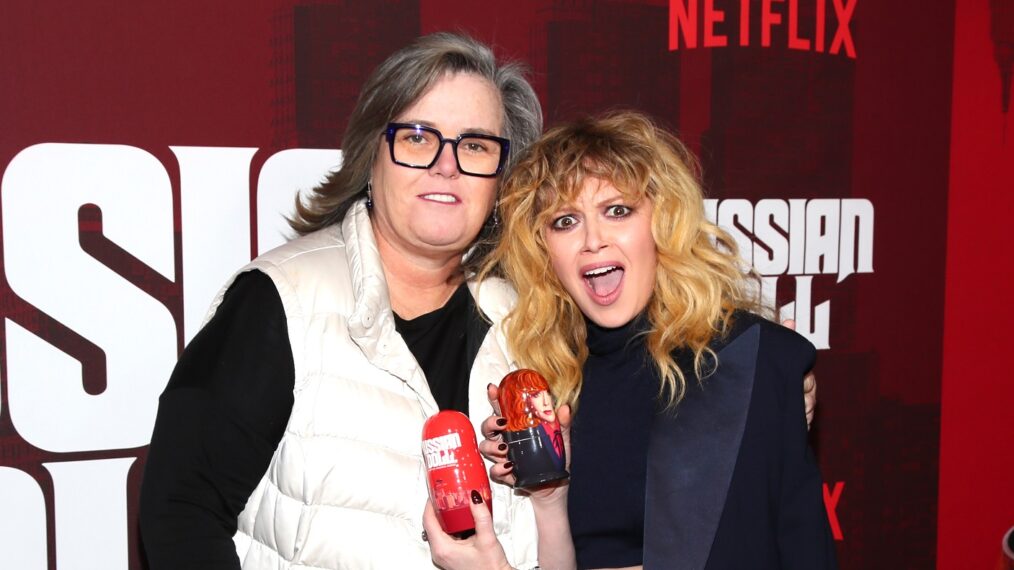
(605,280)
(442,198)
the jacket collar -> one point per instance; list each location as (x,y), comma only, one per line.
(371,322)
(495,298)
(691,457)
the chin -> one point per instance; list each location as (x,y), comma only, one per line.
(445,240)
(448,237)
(610,320)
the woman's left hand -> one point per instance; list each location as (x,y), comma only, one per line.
(479,551)
(493,448)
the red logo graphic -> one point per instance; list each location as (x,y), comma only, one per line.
(685,20)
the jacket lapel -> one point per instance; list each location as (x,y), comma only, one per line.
(691,457)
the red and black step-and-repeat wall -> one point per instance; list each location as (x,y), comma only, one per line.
(149,149)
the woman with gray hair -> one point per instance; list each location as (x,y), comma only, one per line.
(291,424)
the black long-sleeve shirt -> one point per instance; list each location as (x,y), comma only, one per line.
(219,421)
(619,399)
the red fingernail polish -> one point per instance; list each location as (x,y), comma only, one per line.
(502,447)
(501,422)
(476,497)
(508,465)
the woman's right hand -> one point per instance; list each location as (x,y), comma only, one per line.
(809,385)
(479,551)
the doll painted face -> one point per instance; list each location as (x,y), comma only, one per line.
(526,400)
(542,406)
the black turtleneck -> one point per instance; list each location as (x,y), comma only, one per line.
(609,443)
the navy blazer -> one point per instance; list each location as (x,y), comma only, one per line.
(559,462)
(732,483)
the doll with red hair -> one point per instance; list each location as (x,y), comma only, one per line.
(533,432)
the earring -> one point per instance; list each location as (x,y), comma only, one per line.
(369,194)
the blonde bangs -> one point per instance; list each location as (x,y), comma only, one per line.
(578,163)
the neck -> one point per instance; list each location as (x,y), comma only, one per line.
(417,283)
(602,340)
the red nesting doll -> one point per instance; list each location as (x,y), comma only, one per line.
(455,470)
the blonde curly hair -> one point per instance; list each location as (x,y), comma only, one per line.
(700,280)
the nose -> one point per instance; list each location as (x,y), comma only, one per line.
(447,163)
(594,238)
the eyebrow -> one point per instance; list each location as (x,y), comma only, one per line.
(619,196)
(469,130)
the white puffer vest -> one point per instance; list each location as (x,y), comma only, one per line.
(347,485)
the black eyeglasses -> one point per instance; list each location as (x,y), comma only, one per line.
(418,146)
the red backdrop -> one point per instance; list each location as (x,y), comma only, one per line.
(976,464)
(857,148)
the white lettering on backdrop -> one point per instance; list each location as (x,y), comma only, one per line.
(43,189)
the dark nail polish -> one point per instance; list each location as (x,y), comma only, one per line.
(476,497)
(501,422)
(508,465)
(488,386)
(502,447)
(424,537)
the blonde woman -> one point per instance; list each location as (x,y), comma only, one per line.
(689,439)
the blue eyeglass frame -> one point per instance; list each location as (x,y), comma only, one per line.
(505,147)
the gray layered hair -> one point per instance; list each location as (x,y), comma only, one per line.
(395,85)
